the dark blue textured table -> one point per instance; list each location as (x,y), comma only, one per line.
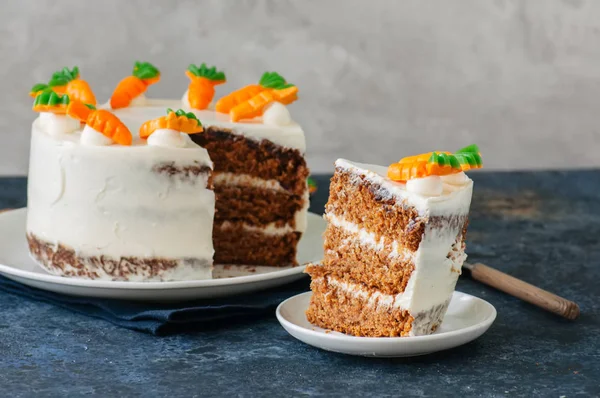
(543,227)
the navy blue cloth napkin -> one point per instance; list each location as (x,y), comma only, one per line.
(162,319)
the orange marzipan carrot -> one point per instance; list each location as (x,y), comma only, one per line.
(80,90)
(108,124)
(57,109)
(200,92)
(128,89)
(102,121)
(182,124)
(228,102)
(406,171)
(418,167)
(254,106)
(421,157)
(77,110)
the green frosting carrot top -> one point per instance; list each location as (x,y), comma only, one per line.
(274,80)
(206,72)
(50,98)
(181,112)
(145,70)
(469,156)
(58,79)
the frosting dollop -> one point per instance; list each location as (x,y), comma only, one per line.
(455,179)
(185,101)
(276,114)
(426,186)
(167,138)
(92,137)
(55,124)
(140,100)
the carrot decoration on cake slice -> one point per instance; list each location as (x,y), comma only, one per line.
(469,157)
(435,164)
(201,89)
(67,81)
(144,74)
(102,126)
(250,101)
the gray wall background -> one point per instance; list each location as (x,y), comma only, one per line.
(378,79)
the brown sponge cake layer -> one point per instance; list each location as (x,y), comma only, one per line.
(256,206)
(62,260)
(356,200)
(360,204)
(347,260)
(236,245)
(352,308)
(235,153)
(335,309)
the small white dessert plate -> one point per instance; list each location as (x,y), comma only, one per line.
(16,264)
(467,318)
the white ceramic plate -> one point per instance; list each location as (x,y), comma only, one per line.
(16,264)
(468,317)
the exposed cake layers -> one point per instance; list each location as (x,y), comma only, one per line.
(389,253)
(114,212)
(352,309)
(262,198)
(260,184)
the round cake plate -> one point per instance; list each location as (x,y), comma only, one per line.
(467,318)
(16,264)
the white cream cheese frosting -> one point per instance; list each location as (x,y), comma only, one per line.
(276,114)
(167,138)
(426,186)
(288,136)
(121,201)
(91,137)
(55,124)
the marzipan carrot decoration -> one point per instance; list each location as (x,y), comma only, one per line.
(202,86)
(270,81)
(469,157)
(435,163)
(180,120)
(144,74)
(100,120)
(254,106)
(67,81)
(49,101)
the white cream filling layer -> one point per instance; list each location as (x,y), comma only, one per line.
(369,239)
(245,180)
(114,201)
(269,229)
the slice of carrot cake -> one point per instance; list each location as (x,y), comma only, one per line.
(394,244)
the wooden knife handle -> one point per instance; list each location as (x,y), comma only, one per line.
(526,292)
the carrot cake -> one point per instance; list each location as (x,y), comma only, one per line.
(394,244)
(148,189)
